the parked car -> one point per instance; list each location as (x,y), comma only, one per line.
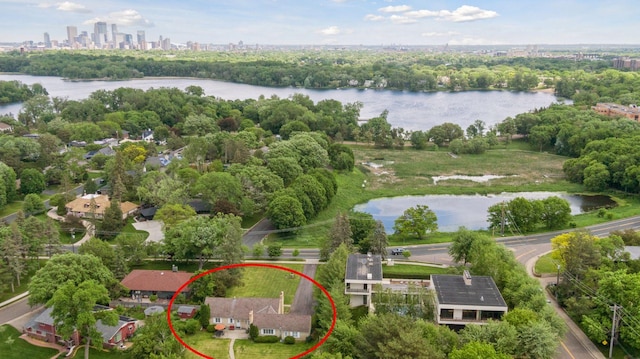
(397,251)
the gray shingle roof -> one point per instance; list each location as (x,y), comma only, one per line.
(239,308)
(451,289)
(358,265)
(286,322)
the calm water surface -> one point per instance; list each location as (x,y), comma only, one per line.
(469,211)
(410,110)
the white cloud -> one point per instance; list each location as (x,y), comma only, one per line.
(439,34)
(469,13)
(399,8)
(72,7)
(330,31)
(461,14)
(398,19)
(65,6)
(125,18)
(372,17)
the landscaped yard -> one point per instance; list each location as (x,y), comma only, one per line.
(204,342)
(411,271)
(263,282)
(12,347)
(246,349)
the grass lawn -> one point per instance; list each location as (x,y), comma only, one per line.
(203,342)
(190,266)
(103,354)
(246,349)
(546,265)
(12,347)
(268,282)
(411,271)
(9,208)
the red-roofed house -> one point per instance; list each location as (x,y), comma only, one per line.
(162,283)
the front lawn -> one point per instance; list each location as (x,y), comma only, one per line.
(246,349)
(12,347)
(204,342)
(263,282)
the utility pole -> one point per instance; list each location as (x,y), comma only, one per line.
(613,328)
(502,220)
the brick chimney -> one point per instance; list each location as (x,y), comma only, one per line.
(251,317)
(281,304)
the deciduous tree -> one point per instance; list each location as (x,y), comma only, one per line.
(416,221)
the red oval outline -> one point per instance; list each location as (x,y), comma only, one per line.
(323,289)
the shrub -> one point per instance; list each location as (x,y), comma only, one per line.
(258,250)
(253,332)
(153,298)
(295,252)
(267,339)
(211,328)
(289,340)
(191,326)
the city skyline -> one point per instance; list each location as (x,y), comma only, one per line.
(327,22)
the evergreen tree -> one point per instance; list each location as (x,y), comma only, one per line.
(112,222)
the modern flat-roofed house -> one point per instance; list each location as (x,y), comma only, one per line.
(462,300)
(362,273)
(95,204)
(164,284)
(265,313)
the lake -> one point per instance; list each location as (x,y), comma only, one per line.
(469,211)
(409,110)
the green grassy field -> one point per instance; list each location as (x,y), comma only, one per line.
(411,271)
(546,265)
(12,347)
(246,349)
(203,342)
(268,282)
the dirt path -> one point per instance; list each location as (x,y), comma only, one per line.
(303,301)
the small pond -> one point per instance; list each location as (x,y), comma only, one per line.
(468,211)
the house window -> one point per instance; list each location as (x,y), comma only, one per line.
(469,314)
(230,320)
(268,332)
(296,335)
(217,320)
(446,313)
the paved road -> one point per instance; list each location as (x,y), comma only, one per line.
(15,310)
(256,233)
(303,300)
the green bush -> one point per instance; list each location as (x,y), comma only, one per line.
(289,340)
(153,298)
(211,328)
(253,332)
(267,339)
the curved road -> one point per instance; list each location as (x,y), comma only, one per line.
(526,249)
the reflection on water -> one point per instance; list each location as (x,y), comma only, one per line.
(469,211)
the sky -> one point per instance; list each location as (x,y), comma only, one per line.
(334,22)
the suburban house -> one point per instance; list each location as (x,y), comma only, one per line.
(145,283)
(462,300)
(362,273)
(43,328)
(91,205)
(147,136)
(107,151)
(265,313)
(5,127)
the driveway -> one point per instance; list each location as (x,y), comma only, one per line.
(153,227)
(303,301)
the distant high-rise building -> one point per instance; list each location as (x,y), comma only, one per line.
(72,33)
(166,44)
(47,40)
(142,42)
(114,31)
(100,33)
